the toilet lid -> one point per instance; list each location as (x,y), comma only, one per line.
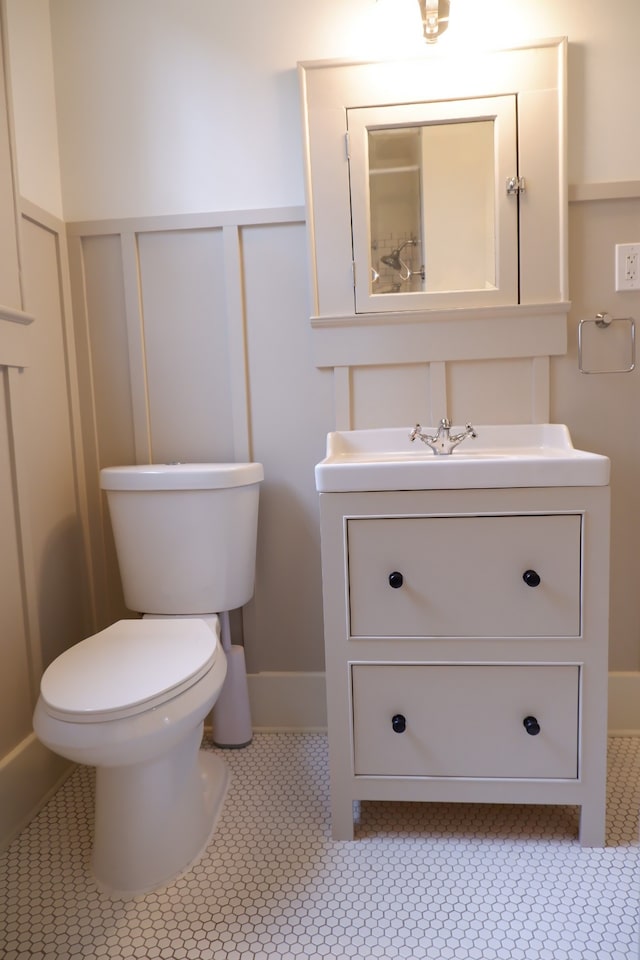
(130,667)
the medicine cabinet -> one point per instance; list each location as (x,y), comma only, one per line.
(437,184)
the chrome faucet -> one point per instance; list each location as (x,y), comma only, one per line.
(443,443)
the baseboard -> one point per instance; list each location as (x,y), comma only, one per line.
(29,775)
(624,703)
(296,701)
(287,701)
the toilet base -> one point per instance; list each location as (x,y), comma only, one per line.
(154,820)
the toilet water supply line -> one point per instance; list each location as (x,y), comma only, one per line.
(225,631)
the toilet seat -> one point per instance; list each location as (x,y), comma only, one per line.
(128,668)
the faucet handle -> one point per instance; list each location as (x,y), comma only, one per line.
(417,430)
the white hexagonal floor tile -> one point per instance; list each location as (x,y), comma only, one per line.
(421,881)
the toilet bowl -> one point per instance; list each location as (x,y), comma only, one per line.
(131,701)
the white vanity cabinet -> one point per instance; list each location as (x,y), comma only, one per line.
(466,637)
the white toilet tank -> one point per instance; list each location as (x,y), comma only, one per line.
(185,534)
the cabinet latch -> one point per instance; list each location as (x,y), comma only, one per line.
(515,185)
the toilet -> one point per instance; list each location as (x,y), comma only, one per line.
(131,700)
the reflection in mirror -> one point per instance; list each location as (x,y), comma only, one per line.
(432,207)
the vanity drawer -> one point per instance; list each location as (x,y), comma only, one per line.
(463,576)
(465,720)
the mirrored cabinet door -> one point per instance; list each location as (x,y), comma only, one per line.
(433,224)
(436,200)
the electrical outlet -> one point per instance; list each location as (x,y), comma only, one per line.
(627,266)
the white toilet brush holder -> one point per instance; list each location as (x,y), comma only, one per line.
(231,714)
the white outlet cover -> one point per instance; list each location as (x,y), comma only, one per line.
(627,266)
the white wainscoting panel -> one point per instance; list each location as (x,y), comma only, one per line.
(45,589)
(195,334)
(182,287)
(388,396)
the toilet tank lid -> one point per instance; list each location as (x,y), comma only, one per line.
(181,476)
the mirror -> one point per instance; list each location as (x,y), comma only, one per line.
(432,221)
(431,207)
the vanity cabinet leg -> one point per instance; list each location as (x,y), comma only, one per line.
(342,818)
(593,824)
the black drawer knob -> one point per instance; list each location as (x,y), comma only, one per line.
(532,726)
(531,578)
(395,579)
(399,723)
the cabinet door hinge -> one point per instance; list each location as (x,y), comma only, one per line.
(353,271)
(347,149)
(515,186)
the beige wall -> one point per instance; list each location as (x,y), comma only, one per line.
(602,409)
(158,138)
(217,295)
(45,586)
(287,405)
(155,137)
(179,106)
(30,62)
(221,308)
(45,583)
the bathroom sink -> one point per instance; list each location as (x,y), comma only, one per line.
(515,455)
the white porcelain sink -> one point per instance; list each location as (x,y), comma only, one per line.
(516,455)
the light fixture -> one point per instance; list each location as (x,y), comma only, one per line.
(435,18)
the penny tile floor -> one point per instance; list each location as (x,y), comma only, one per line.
(421,881)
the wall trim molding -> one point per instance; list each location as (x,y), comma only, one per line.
(457,335)
(613,190)
(29,776)
(296,701)
(13,315)
(624,703)
(187,221)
